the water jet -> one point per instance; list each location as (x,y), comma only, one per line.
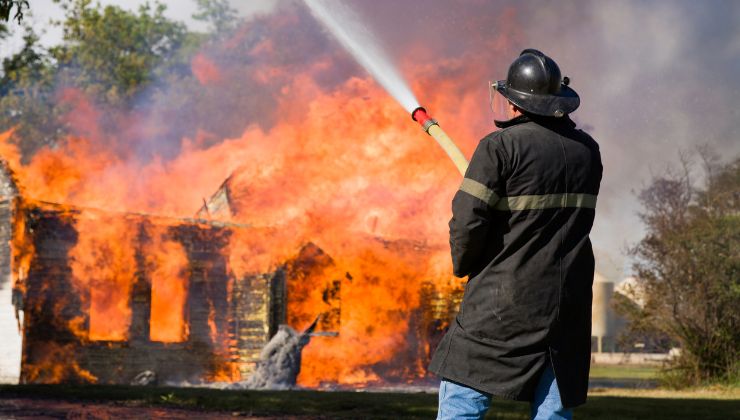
(359,41)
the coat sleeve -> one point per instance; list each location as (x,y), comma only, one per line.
(480,190)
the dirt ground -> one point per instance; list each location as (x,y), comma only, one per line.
(118,402)
(43,409)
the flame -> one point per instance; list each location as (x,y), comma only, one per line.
(302,182)
(58,365)
(166,263)
(22,251)
(103,270)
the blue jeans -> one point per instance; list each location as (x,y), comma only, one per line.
(460,402)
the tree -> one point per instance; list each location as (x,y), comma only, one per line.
(7,6)
(641,330)
(111,53)
(27,96)
(689,268)
(220,16)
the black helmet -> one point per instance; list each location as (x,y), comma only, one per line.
(534,85)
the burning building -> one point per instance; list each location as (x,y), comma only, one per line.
(102,296)
(105,296)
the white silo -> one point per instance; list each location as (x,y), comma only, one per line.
(602,324)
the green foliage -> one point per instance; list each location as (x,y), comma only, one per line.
(641,329)
(112,53)
(220,16)
(689,267)
(26,96)
(29,63)
(7,6)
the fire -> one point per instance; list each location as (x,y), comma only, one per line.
(59,366)
(378,322)
(103,264)
(22,251)
(340,166)
(166,264)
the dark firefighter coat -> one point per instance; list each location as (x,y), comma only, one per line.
(520,231)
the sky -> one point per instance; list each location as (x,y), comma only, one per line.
(655,77)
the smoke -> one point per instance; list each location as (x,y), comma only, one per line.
(280,360)
(655,78)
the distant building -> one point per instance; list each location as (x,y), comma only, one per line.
(603,318)
(609,332)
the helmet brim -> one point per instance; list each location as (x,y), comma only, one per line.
(556,105)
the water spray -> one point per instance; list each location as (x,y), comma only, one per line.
(355,37)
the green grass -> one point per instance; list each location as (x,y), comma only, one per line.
(632,405)
(624,372)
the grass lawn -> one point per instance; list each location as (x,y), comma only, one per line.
(603,404)
(624,372)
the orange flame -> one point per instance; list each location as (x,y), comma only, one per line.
(58,366)
(103,269)
(166,263)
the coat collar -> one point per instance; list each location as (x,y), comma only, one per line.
(512,122)
(549,122)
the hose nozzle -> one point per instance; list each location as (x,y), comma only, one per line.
(420,115)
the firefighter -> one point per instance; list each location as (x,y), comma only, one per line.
(520,232)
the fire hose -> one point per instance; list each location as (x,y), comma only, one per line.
(431,127)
